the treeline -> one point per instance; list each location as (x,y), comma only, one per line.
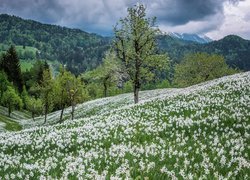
(40,93)
(37,90)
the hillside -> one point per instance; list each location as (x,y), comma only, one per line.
(235,49)
(12,123)
(82,51)
(77,49)
(200,131)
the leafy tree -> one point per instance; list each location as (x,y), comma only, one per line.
(46,90)
(106,74)
(35,106)
(62,88)
(24,97)
(75,92)
(93,88)
(11,66)
(11,100)
(200,67)
(128,87)
(163,84)
(68,91)
(136,47)
(109,72)
(34,76)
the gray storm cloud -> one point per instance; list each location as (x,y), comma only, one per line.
(100,15)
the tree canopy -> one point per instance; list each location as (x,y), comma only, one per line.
(135,45)
(200,67)
(11,100)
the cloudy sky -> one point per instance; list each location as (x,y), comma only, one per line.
(214,18)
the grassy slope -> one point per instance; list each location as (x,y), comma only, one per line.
(11,123)
(201,131)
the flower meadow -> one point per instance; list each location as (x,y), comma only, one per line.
(200,132)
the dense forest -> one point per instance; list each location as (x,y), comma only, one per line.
(78,50)
(81,51)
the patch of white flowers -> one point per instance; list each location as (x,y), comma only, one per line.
(200,132)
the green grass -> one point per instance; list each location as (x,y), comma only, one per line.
(26,65)
(27,48)
(10,124)
(195,133)
(4,48)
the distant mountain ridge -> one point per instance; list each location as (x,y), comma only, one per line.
(190,37)
(235,49)
(81,51)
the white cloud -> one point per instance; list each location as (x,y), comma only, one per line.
(237,21)
(200,27)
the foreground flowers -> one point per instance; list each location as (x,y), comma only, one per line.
(197,132)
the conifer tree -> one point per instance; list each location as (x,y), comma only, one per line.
(11,66)
(4,83)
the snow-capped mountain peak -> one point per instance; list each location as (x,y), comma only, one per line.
(190,37)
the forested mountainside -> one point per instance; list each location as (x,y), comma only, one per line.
(81,51)
(77,49)
(235,49)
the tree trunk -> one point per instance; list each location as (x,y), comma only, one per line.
(9,110)
(72,112)
(137,82)
(105,89)
(61,116)
(136,88)
(33,116)
(62,104)
(46,112)
(136,94)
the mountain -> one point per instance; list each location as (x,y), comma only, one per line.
(77,49)
(235,49)
(81,51)
(171,134)
(190,37)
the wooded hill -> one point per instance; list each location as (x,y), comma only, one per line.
(78,50)
(235,49)
(81,51)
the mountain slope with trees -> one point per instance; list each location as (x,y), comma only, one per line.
(234,49)
(81,51)
(77,49)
